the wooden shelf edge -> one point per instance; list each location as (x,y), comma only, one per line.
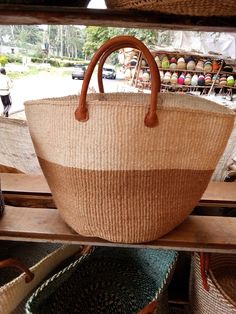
(196,233)
(43,14)
(11,183)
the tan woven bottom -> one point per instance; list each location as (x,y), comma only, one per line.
(180,7)
(221,298)
(124,206)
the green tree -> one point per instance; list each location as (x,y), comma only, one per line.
(96,36)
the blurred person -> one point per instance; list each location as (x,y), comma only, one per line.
(5,86)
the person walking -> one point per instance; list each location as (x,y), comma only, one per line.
(5,86)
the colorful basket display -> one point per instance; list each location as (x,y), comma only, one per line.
(217,295)
(108,280)
(180,7)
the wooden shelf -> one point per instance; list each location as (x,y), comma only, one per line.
(196,233)
(222,193)
(44,14)
(184,70)
(196,71)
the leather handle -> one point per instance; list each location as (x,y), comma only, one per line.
(150,308)
(151,119)
(11,262)
(103,60)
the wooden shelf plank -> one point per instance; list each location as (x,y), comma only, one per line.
(216,192)
(24,183)
(197,233)
(44,14)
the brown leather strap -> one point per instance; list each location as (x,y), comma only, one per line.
(103,60)
(204,266)
(151,119)
(11,262)
(149,309)
(86,250)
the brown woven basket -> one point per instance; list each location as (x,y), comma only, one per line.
(180,7)
(221,280)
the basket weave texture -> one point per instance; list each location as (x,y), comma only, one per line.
(113,177)
(221,297)
(41,258)
(109,280)
(180,7)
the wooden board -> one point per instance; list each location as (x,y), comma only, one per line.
(219,193)
(23,183)
(44,14)
(197,233)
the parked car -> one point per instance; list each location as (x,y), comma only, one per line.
(109,73)
(79,72)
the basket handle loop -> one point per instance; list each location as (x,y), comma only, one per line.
(149,309)
(151,119)
(204,266)
(11,262)
(103,60)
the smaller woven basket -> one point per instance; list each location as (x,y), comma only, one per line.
(108,280)
(180,7)
(39,258)
(221,280)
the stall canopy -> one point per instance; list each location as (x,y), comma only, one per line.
(222,44)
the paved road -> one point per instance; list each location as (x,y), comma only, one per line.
(47,84)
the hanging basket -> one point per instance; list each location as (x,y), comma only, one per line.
(219,294)
(108,280)
(178,7)
(135,165)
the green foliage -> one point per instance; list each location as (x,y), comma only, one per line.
(54,63)
(3,60)
(96,36)
(37,60)
(14,59)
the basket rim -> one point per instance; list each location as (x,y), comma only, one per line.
(74,264)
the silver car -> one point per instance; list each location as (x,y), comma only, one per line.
(79,72)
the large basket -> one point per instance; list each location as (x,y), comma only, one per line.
(221,281)
(135,165)
(226,159)
(109,280)
(180,7)
(16,149)
(40,258)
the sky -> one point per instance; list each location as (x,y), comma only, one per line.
(97,4)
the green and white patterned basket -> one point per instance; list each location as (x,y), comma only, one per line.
(108,280)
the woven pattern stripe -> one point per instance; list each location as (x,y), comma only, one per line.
(221,297)
(179,7)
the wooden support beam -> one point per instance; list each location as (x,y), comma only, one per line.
(44,14)
(196,233)
(217,193)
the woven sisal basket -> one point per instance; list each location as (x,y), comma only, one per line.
(226,159)
(40,258)
(135,165)
(221,297)
(109,281)
(16,149)
(180,7)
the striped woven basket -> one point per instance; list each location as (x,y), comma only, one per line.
(221,283)
(39,258)
(226,159)
(180,7)
(133,166)
(108,280)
